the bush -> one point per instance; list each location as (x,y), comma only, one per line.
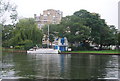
(19,47)
(27,44)
(82,48)
(44,45)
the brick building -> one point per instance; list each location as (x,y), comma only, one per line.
(49,16)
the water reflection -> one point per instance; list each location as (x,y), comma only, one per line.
(119,66)
(7,66)
(106,67)
(64,66)
(51,65)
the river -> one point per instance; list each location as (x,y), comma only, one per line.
(59,66)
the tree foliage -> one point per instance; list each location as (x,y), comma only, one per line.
(7,11)
(83,25)
(81,28)
(118,38)
(25,33)
(101,33)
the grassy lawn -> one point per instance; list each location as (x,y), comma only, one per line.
(102,51)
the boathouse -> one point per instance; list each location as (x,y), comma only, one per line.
(61,44)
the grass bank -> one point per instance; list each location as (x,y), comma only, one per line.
(13,50)
(93,52)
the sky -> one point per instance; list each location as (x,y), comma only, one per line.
(108,9)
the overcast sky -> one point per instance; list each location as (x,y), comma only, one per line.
(108,9)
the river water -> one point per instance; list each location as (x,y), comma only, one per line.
(59,66)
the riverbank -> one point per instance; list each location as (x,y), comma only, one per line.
(13,50)
(102,52)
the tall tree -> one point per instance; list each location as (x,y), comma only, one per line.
(119,39)
(7,12)
(101,33)
(25,33)
(83,25)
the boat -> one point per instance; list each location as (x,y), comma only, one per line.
(42,51)
(37,50)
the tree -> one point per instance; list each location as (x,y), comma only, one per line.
(119,39)
(6,34)
(51,38)
(72,28)
(24,33)
(52,29)
(84,26)
(7,11)
(101,33)
(75,30)
(111,37)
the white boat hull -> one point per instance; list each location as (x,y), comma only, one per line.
(42,51)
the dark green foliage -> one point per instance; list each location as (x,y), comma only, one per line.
(83,25)
(19,47)
(80,27)
(101,33)
(118,38)
(25,34)
(27,44)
